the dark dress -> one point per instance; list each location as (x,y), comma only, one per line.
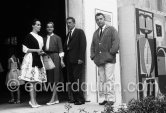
(55,47)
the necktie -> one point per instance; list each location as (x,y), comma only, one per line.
(100,32)
(69,37)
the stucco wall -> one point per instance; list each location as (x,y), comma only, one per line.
(158,5)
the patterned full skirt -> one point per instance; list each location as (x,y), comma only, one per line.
(32,74)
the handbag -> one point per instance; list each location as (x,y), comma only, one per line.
(48,63)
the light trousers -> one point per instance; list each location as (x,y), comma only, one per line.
(106,82)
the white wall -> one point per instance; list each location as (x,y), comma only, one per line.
(151,4)
(89,27)
(158,5)
(84,13)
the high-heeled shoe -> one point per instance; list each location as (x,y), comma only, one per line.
(33,106)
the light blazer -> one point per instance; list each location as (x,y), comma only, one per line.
(104,51)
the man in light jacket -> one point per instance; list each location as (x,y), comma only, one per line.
(104,46)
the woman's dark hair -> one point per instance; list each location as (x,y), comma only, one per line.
(34,21)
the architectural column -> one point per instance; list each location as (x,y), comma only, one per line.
(75,9)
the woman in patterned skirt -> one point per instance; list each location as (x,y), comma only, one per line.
(32,69)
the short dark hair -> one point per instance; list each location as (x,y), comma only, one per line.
(71,19)
(98,14)
(50,22)
(34,21)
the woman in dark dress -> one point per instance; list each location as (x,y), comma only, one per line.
(32,69)
(53,47)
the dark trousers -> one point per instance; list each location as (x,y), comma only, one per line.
(74,76)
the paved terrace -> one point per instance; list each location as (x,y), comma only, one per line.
(42,99)
(57,108)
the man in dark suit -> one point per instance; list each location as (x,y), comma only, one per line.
(75,48)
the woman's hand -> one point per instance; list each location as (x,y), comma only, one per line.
(40,52)
(62,64)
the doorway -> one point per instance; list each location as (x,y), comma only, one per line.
(161,63)
(15,21)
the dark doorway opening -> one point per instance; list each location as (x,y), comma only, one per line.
(16,17)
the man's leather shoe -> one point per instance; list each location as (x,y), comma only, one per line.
(103,103)
(79,103)
(71,101)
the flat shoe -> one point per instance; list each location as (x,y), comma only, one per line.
(33,106)
(51,103)
(18,102)
(11,101)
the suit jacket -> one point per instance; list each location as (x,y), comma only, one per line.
(55,44)
(104,51)
(76,47)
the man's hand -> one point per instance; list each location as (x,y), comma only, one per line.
(80,62)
